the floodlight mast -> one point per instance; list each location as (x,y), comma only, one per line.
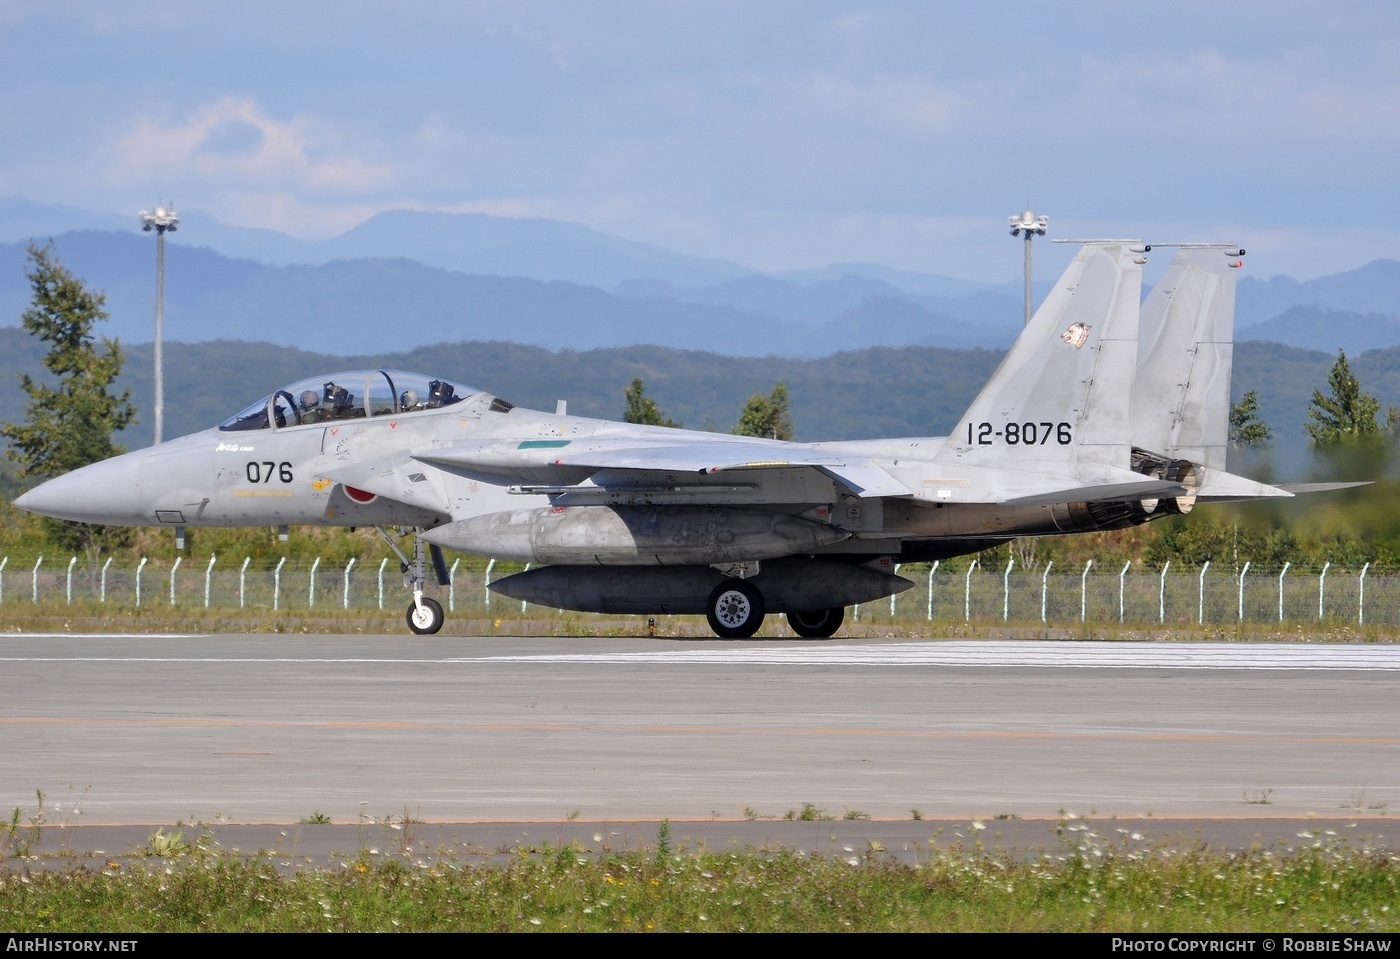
(160,219)
(1029,224)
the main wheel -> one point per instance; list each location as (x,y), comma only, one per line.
(735,609)
(427,618)
(817,624)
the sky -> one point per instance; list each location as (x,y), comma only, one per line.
(780,135)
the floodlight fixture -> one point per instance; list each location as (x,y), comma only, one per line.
(1029,224)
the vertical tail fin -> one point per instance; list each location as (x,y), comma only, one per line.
(1181,399)
(1059,403)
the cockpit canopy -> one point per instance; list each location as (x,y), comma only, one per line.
(350,395)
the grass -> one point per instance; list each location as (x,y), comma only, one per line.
(1080,886)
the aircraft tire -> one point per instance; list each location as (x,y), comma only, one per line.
(735,609)
(426,620)
(817,624)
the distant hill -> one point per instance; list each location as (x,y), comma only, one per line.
(1314,328)
(1373,288)
(379,306)
(406,278)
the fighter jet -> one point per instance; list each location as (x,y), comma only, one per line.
(1085,425)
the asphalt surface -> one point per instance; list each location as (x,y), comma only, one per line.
(556,737)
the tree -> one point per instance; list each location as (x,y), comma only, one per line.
(766,416)
(642,408)
(1347,414)
(70,424)
(1246,428)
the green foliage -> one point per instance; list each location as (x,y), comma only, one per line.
(69,424)
(1246,428)
(1347,413)
(766,416)
(1088,884)
(642,409)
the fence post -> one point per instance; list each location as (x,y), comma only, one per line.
(893,595)
(104,577)
(1280,590)
(381,581)
(1244,572)
(1005,590)
(277,582)
(345,597)
(178,561)
(452,586)
(1162,593)
(242,579)
(967,592)
(1084,591)
(139,566)
(1361,596)
(208,575)
(68,584)
(1122,576)
(1321,583)
(34,581)
(486,587)
(3,563)
(931,570)
(522,602)
(311,590)
(1044,583)
(1201,597)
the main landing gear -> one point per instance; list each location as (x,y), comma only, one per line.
(819,624)
(736,610)
(425,616)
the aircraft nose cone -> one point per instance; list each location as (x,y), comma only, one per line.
(107,493)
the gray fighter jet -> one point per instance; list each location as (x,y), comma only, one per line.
(1107,412)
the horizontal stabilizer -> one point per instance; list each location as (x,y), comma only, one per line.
(1219,486)
(1297,488)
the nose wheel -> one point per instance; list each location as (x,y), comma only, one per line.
(425,616)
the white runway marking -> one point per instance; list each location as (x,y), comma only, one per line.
(1034,654)
(1059,655)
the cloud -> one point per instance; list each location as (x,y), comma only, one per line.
(908,107)
(231,143)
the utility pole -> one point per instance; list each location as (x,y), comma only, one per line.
(160,220)
(1030,225)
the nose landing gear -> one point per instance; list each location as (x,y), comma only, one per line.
(425,616)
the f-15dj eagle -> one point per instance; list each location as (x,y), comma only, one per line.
(1109,411)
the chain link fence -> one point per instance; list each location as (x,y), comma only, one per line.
(1176,596)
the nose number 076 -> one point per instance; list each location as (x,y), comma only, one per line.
(265,471)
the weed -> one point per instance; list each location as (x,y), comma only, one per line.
(166,845)
(1003,816)
(317,818)
(663,840)
(809,813)
(573,816)
(916,815)
(1260,797)
(856,815)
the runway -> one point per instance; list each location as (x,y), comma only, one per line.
(273,729)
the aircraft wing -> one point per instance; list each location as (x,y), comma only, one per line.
(862,475)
